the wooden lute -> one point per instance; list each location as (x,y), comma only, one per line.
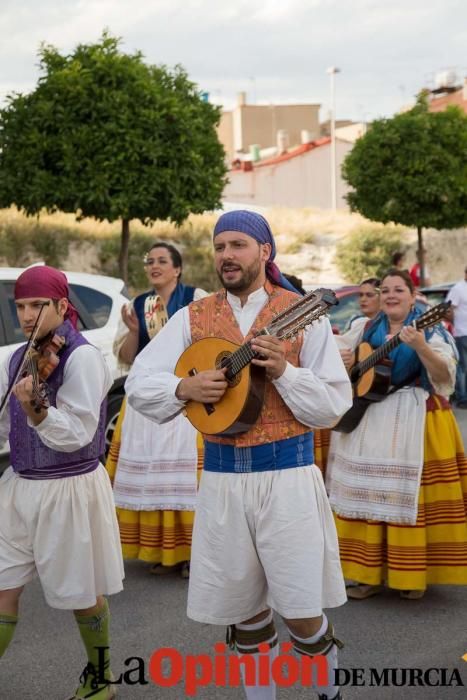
(241,404)
(370,373)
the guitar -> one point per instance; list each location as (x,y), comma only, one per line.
(241,404)
(371,373)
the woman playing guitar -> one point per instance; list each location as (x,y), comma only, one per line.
(368,300)
(397,481)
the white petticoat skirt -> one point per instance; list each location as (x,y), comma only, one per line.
(263,539)
(157,464)
(66,532)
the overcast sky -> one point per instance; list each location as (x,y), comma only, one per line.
(275,50)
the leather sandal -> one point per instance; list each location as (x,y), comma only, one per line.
(362,591)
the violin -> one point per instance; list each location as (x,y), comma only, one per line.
(41,360)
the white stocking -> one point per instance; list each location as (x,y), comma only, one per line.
(260,692)
(329,691)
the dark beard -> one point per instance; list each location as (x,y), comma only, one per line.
(248,277)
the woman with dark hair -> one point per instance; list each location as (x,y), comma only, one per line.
(154,467)
(368,298)
(398,481)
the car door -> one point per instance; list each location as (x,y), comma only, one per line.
(11,335)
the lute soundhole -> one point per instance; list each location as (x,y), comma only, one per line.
(222,361)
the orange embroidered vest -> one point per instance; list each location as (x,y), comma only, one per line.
(213,317)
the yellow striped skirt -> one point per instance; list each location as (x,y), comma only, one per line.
(159,536)
(434,550)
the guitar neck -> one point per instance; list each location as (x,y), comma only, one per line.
(284,325)
(242,357)
(378,355)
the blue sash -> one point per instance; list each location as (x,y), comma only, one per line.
(283,454)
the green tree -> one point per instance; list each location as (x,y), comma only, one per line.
(107,136)
(367,252)
(412,170)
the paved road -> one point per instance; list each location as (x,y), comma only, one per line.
(461,415)
(46,657)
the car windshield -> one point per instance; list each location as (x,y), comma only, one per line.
(341,315)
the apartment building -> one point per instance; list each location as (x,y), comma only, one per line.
(261,126)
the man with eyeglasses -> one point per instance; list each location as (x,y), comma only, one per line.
(458,298)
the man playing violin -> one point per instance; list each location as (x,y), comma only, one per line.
(57,516)
(264,537)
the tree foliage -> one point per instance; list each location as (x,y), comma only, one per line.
(412,169)
(367,252)
(107,136)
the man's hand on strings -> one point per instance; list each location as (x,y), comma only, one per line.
(207,386)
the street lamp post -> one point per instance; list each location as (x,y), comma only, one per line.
(332,72)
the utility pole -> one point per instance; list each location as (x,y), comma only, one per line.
(332,72)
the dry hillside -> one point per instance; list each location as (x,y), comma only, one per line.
(306,243)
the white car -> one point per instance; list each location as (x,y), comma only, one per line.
(98,300)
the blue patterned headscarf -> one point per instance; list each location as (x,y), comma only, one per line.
(256,226)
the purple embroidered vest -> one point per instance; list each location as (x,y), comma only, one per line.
(30,458)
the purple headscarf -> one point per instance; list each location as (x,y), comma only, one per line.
(47,282)
(256,226)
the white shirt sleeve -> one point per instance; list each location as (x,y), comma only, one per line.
(199,294)
(318,392)
(351,338)
(445,350)
(73,423)
(151,383)
(454,295)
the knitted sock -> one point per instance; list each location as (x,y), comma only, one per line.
(94,631)
(7,630)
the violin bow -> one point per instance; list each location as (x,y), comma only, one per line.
(24,357)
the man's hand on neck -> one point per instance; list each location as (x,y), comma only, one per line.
(271,352)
